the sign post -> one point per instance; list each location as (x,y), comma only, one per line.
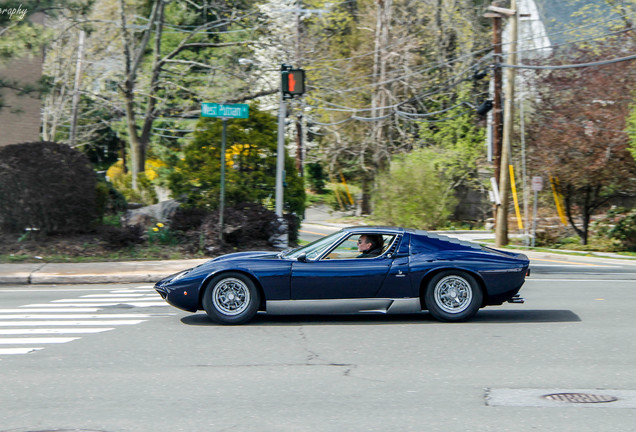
(224,111)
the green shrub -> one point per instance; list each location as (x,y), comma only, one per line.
(625,231)
(414,193)
(117,237)
(48,186)
(250,174)
(316,177)
(145,193)
(162,234)
(109,200)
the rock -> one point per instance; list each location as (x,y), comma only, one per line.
(146,216)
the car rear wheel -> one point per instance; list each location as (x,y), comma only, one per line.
(231,298)
(453,295)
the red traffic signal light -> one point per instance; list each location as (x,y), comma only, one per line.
(293,82)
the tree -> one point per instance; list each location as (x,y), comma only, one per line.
(251,165)
(151,65)
(578,131)
(379,72)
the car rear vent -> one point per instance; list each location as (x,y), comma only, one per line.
(394,246)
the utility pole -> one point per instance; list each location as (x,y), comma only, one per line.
(299,144)
(497,118)
(501,226)
(299,126)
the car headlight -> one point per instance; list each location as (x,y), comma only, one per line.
(180,275)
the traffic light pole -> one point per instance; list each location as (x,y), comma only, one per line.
(280,156)
(281,239)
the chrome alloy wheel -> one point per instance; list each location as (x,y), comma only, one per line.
(231,296)
(453,294)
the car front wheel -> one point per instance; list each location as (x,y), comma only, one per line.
(453,296)
(231,298)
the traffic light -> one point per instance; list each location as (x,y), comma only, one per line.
(293,82)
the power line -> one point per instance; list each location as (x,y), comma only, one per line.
(572,66)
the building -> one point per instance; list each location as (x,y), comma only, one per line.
(20,118)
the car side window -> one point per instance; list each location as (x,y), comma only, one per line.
(348,249)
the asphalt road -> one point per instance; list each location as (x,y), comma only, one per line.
(116,358)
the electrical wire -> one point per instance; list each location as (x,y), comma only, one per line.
(572,66)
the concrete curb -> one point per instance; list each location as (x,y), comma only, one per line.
(90,273)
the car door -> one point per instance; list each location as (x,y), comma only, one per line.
(340,275)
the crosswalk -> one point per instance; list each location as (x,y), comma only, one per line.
(32,327)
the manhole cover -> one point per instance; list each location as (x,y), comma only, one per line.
(580,398)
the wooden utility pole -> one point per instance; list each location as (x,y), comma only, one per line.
(501,226)
(497,117)
(299,144)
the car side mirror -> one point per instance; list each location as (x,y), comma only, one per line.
(302,257)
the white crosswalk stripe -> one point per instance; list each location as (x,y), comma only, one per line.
(128,303)
(126,296)
(69,323)
(40,331)
(23,310)
(46,340)
(71,316)
(52,323)
(9,351)
(106,300)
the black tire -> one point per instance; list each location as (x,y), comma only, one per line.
(453,295)
(231,298)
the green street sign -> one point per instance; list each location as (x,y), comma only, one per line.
(225,110)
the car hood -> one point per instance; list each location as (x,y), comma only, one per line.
(243,255)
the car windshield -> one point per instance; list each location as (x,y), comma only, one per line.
(314,249)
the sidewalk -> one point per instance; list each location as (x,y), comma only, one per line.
(98,272)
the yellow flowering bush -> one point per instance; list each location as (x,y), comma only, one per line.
(123,182)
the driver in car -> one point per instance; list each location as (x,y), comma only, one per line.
(370,245)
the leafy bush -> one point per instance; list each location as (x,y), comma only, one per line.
(188,218)
(414,193)
(246,224)
(316,177)
(625,231)
(117,237)
(48,186)
(162,234)
(109,199)
(250,174)
(145,193)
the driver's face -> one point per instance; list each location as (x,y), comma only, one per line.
(363,244)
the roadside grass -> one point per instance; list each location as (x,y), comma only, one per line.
(571,252)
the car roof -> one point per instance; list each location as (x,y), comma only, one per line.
(375,229)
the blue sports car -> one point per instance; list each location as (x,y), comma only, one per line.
(399,271)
